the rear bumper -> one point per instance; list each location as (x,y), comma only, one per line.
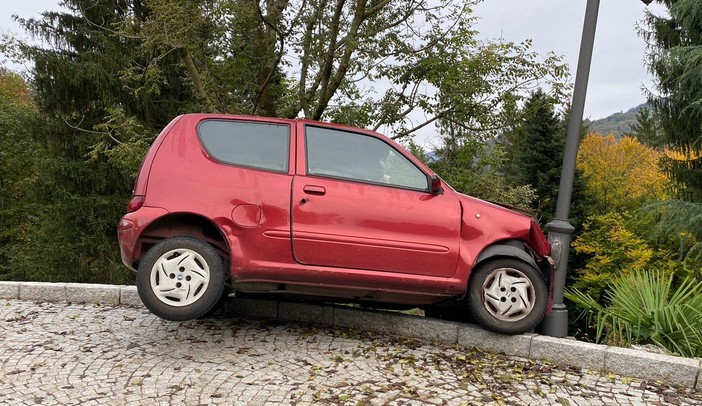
(129,230)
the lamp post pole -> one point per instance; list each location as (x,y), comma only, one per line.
(555,324)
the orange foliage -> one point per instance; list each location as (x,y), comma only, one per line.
(14,89)
(621,173)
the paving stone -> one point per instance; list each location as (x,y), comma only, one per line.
(641,364)
(9,290)
(44,292)
(474,336)
(92,293)
(564,351)
(83,354)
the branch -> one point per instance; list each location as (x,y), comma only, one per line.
(329,88)
(376,8)
(199,88)
(279,55)
(303,94)
(75,127)
(267,81)
(328,63)
(121,34)
(401,97)
(420,126)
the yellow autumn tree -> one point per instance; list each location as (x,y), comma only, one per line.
(622,173)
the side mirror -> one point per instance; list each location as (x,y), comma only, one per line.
(436,185)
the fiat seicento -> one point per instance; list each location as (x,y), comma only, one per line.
(321,211)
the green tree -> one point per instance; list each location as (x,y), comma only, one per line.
(646,130)
(94,130)
(674,55)
(475,168)
(535,146)
(674,226)
(612,249)
(294,58)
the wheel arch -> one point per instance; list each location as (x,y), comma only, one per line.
(508,248)
(181,224)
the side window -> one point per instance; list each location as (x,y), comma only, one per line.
(347,155)
(257,145)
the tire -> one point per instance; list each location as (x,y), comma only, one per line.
(221,302)
(180,278)
(507,296)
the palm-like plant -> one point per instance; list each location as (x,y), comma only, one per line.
(644,308)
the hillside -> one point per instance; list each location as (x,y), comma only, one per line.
(617,123)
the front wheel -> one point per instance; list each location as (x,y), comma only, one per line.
(507,296)
(180,278)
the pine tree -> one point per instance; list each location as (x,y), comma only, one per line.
(675,52)
(535,149)
(94,131)
(646,130)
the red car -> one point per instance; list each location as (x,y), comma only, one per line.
(309,209)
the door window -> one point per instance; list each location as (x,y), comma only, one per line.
(357,157)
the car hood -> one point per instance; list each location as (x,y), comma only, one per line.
(496,222)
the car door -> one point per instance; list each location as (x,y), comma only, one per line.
(358,202)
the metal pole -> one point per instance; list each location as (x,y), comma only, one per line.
(555,324)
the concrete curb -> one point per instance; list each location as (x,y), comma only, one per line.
(673,370)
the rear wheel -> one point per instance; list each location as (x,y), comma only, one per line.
(180,278)
(507,296)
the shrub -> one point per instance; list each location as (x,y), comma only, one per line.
(644,308)
(611,249)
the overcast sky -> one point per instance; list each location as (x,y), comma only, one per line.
(618,70)
(617,73)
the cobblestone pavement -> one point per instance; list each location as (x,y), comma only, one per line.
(78,354)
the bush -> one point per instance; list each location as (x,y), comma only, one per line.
(644,309)
(611,249)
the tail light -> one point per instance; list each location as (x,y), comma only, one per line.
(136,203)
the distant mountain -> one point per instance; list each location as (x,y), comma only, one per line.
(617,123)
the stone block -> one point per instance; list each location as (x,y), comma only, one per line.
(92,293)
(9,290)
(566,351)
(42,292)
(128,296)
(473,336)
(306,312)
(646,365)
(425,328)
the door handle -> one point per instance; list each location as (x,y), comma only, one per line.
(314,190)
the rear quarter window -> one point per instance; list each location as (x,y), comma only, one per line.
(255,145)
